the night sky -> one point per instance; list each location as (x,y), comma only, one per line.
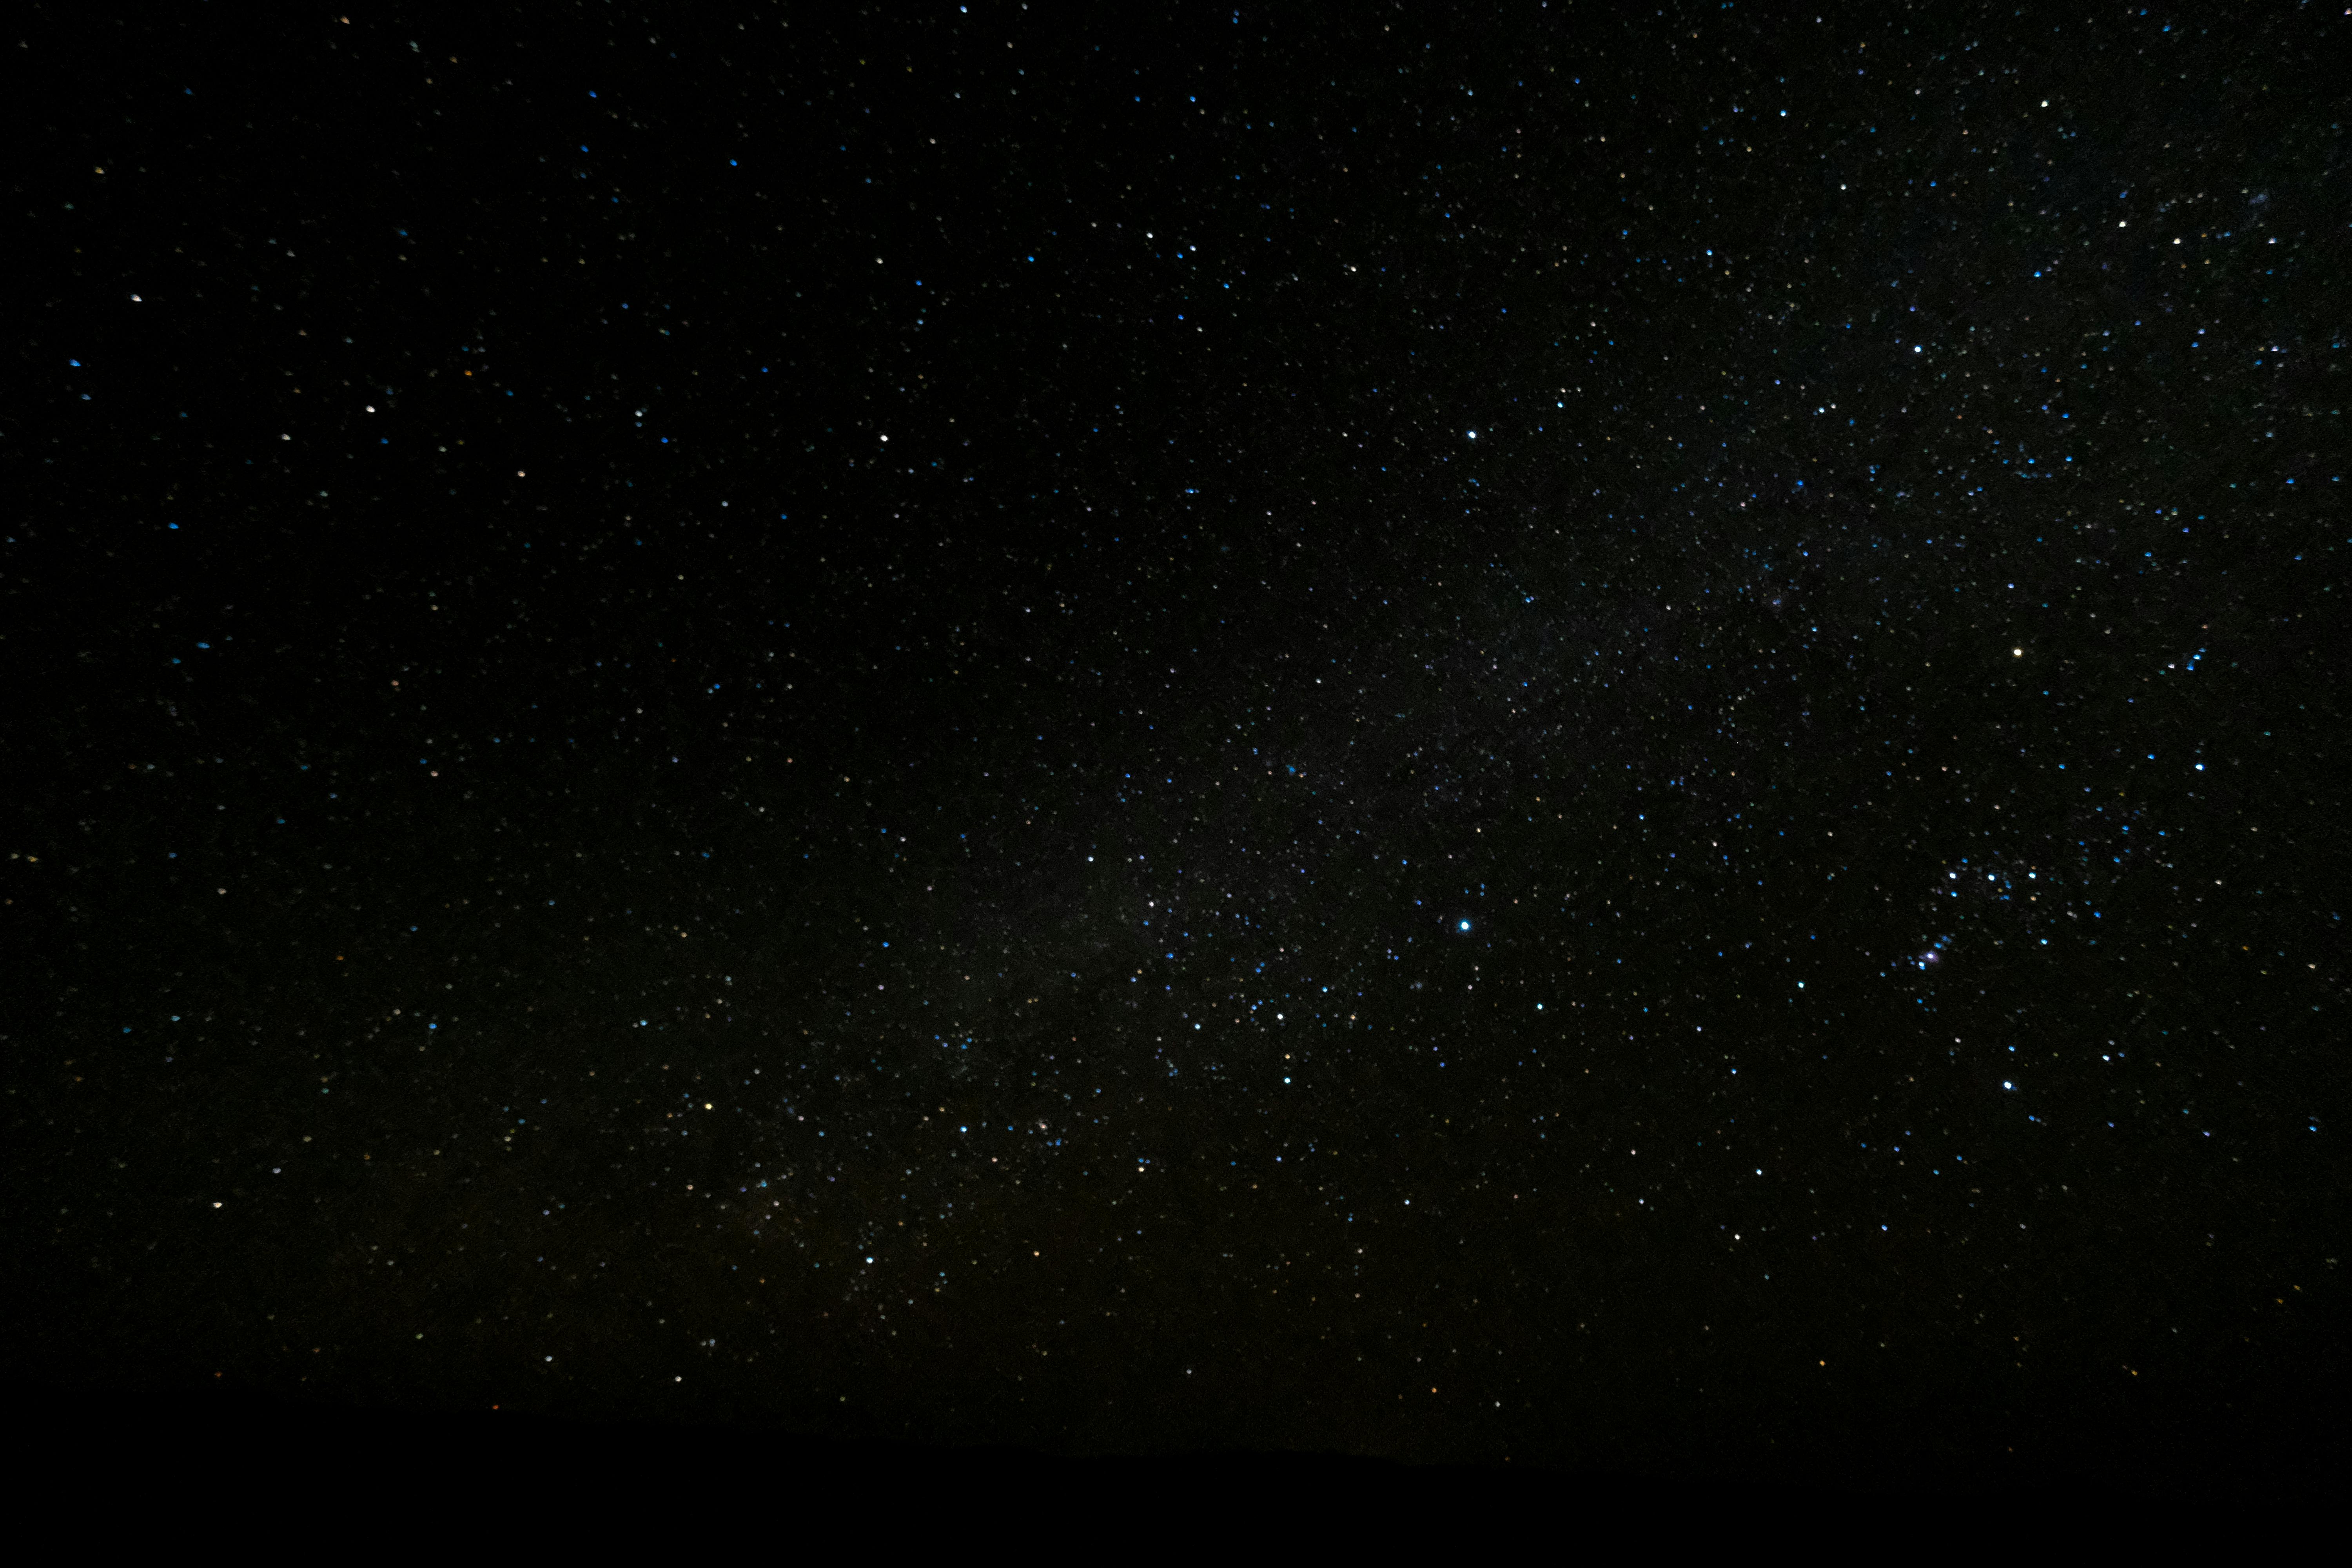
(1603,737)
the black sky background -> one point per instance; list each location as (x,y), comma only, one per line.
(1546,732)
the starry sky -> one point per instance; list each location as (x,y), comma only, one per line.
(1594,736)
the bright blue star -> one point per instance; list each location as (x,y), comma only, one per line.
(1465,925)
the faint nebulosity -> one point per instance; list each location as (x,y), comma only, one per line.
(1537,731)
